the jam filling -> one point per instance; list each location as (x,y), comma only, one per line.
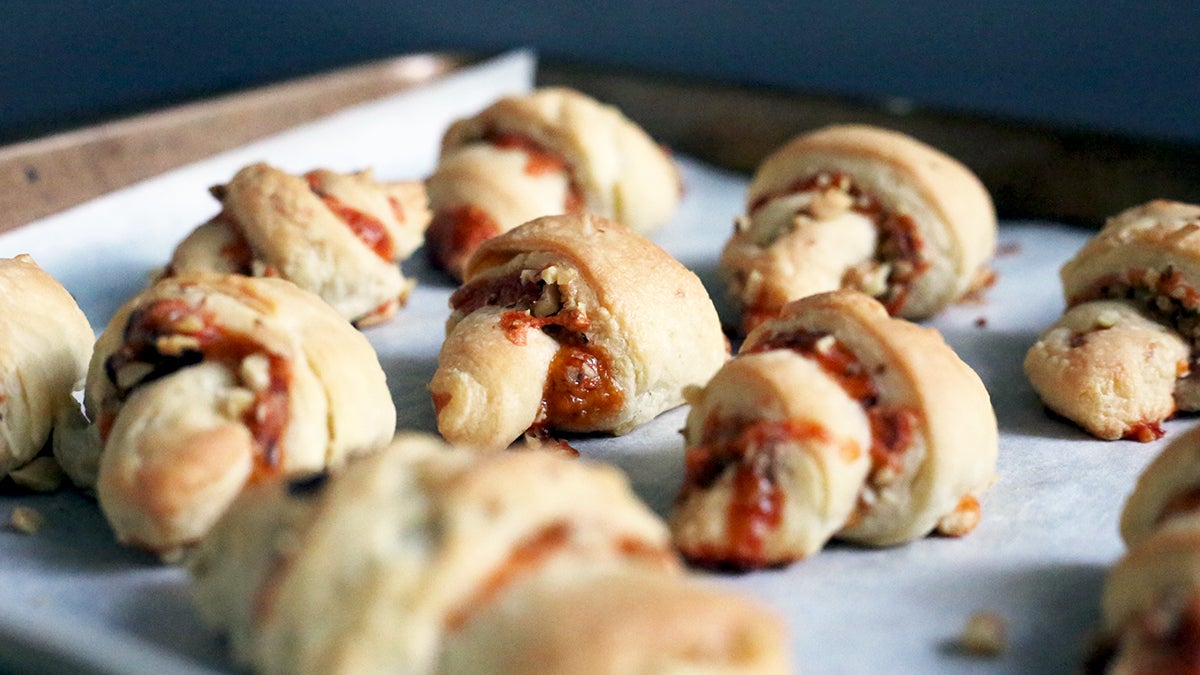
(369,229)
(168,335)
(900,242)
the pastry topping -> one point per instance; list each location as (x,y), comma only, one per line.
(168,335)
(369,229)
(984,634)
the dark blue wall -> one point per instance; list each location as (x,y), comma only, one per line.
(1129,67)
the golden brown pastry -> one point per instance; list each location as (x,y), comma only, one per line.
(340,236)
(571,324)
(549,152)
(45,344)
(422,558)
(1120,361)
(834,420)
(854,206)
(204,383)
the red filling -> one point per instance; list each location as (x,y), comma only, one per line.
(369,229)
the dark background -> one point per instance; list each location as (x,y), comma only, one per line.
(1131,68)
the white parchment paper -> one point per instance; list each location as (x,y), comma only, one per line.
(71,598)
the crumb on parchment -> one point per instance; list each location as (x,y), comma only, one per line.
(26,520)
(984,634)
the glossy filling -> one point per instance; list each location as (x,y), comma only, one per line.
(369,229)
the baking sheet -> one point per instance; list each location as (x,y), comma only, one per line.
(71,598)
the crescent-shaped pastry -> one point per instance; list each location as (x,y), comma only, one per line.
(204,383)
(45,344)
(854,206)
(1119,362)
(340,236)
(422,558)
(550,152)
(571,323)
(834,420)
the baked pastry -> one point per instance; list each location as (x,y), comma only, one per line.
(203,383)
(549,152)
(340,236)
(45,344)
(854,206)
(1168,487)
(571,323)
(834,420)
(1151,605)
(422,558)
(1120,361)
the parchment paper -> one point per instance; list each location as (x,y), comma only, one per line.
(71,598)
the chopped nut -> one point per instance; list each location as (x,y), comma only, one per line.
(984,634)
(825,343)
(884,475)
(1107,319)
(237,402)
(255,372)
(829,204)
(189,324)
(174,345)
(42,474)
(26,520)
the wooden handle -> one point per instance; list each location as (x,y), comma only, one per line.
(47,175)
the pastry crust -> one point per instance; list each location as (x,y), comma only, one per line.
(549,152)
(203,383)
(855,206)
(1110,368)
(337,235)
(599,327)
(931,442)
(422,558)
(1151,603)
(1147,258)
(45,344)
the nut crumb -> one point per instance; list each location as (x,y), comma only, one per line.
(26,520)
(984,634)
